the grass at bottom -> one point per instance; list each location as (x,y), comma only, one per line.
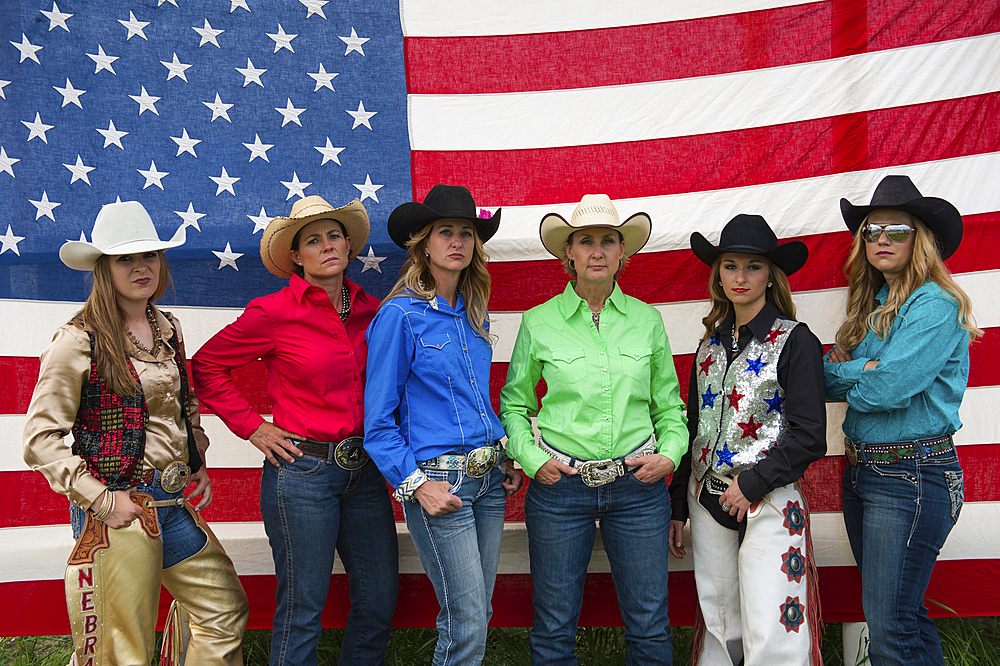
(966,642)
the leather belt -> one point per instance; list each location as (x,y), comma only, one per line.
(596,473)
(349,454)
(476,463)
(858,453)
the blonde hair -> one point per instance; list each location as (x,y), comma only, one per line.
(103,317)
(778,294)
(474,282)
(864,282)
(571,270)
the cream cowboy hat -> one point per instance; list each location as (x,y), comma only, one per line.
(123,227)
(594,210)
(278,236)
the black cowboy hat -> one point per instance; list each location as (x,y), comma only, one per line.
(750,234)
(899,193)
(443,201)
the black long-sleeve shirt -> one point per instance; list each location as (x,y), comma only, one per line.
(800,374)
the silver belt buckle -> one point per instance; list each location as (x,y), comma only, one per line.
(480,461)
(350,454)
(850,451)
(596,473)
(175,477)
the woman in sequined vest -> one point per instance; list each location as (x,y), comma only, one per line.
(902,364)
(115,379)
(757,419)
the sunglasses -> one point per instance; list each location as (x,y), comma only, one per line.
(894,232)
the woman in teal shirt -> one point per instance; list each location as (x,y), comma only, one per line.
(611,427)
(902,364)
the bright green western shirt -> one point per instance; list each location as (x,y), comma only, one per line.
(608,390)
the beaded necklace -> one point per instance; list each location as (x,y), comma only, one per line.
(155,328)
(346,308)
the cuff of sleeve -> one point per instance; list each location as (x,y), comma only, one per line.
(851,370)
(674,451)
(533,459)
(404,493)
(250,426)
(751,485)
(86,491)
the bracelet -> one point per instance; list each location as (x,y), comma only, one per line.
(108,507)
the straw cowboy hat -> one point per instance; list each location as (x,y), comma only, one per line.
(123,227)
(594,210)
(750,234)
(442,202)
(278,236)
(899,193)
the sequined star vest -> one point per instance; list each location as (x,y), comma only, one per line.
(740,405)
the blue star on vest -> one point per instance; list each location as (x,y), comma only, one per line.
(774,404)
(725,456)
(714,340)
(756,365)
(708,398)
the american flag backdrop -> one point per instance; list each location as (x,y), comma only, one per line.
(217,114)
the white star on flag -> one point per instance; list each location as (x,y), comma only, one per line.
(368,190)
(103,60)
(56,18)
(370,260)
(134,27)
(176,68)
(79,171)
(225,182)
(7,163)
(160,2)
(9,242)
(44,207)
(323,78)
(112,135)
(190,217)
(227,257)
(258,149)
(153,177)
(219,110)
(251,74)
(314,7)
(208,34)
(70,94)
(354,42)
(295,187)
(282,40)
(261,221)
(329,152)
(234,4)
(27,49)
(361,116)
(185,144)
(3,84)
(289,114)
(146,101)
(38,128)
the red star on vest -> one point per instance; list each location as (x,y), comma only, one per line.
(734,399)
(704,454)
(706,364)
(772,335)
(750,428)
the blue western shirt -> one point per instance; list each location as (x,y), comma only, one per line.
(923,369)
(428,389)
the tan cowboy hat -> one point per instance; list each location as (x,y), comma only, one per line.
(123,227)
(594,210)
(277,238)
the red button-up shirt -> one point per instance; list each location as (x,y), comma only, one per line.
(315,361)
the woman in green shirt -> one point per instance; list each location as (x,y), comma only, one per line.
(611,427)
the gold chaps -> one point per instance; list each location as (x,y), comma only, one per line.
(113,580)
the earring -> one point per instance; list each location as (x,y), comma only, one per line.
(427,255)
(768,284)
(572,265)
(720,283)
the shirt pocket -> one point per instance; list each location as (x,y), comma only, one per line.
(635,362)
(570,365)
(437,352)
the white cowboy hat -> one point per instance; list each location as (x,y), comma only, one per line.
(277,238)
(123,227)
(594,210)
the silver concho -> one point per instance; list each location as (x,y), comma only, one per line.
(596,473)
(350,454)
(480,461)
(175,477)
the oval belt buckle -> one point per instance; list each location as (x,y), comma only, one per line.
(850,451)
(350,454)
(480,461)
(175,477)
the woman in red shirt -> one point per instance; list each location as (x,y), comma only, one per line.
(318,490)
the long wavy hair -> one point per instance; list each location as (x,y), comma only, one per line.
(474,282)
(102,316)
(778,294)
(864,283)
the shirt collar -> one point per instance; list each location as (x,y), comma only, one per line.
(759,326)
(441,305)
(570,301)
(300,287)
(883,294)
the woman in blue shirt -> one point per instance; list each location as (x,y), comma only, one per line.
(428,421)
(902,364)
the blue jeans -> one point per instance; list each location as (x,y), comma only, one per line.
(898,516)
(310,507)
(460,552)
(635,527)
